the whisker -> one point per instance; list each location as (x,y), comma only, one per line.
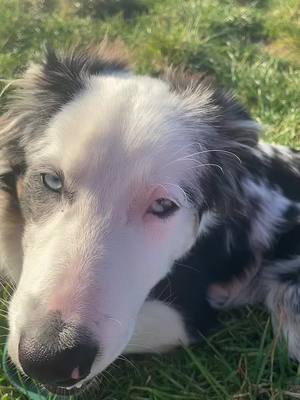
(189,157)
(5,328)
(221,151)
(144,348)
(6,286)
(8,84)
(164,184)
(106,372)
(131,363)
(188,267)
(4,301)
(209,165)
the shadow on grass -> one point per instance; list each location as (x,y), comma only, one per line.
(101,9)
(256,3)
(240,28)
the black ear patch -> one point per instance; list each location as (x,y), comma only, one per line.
(46,87)
(66,74)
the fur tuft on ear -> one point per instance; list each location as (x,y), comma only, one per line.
(46,87)
(216,107)
(63,75)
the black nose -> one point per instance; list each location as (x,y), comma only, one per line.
(57,353)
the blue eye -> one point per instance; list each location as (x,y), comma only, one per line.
(52,182)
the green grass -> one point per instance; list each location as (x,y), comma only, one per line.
(252,47)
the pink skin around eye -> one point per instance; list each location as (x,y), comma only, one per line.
(158,193)
(157,228)
(143,200)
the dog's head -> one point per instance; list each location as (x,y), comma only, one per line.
(106,174)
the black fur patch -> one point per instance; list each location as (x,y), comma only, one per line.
(209,261)
(46,88)
(281,174)
(292,278)
(64,76)
(185,289)
(286,244)
(8,182)
(285,177)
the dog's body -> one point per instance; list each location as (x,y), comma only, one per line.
(131,209)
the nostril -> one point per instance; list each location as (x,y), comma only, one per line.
(51,361)
(56,366)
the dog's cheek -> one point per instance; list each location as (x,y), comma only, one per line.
(158,230)
(185,233)
(16,315)
(179,230)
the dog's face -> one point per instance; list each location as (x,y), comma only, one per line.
(110,193)
(105,214)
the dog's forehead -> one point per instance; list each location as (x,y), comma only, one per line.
(122,125)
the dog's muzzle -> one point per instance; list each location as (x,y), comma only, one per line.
(57,353)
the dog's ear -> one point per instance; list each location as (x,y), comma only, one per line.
(10,157)
(46,87)
(225,133)
(216,107)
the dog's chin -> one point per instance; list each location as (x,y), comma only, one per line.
(72,391)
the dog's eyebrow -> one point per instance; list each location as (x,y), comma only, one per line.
(45,166)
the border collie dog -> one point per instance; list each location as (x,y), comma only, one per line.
(132,209)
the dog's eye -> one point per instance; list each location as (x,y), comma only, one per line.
(52,182)
(163,208)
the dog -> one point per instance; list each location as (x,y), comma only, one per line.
(132,210)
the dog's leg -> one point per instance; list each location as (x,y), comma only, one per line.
(159,328)
(282,282)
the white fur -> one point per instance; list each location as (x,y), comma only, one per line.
(159,327)
(209,219)
(97,259)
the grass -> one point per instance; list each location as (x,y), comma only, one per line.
(252,47)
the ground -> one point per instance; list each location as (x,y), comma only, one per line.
(252,47)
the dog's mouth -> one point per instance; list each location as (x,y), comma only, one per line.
(72,391)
